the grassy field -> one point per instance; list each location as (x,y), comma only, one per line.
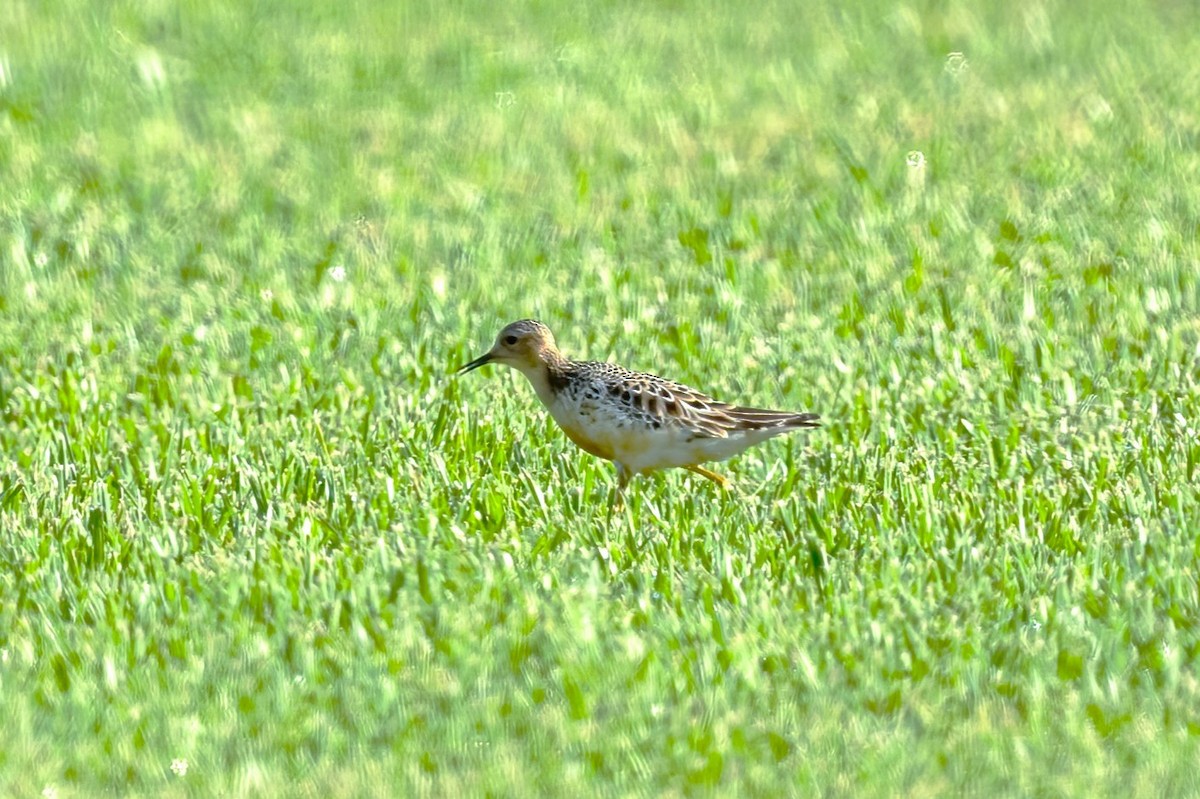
(255,541)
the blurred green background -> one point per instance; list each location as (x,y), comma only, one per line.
(254,541)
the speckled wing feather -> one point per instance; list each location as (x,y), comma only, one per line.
(664,402)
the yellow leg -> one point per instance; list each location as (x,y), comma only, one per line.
(617,503)
(716,478)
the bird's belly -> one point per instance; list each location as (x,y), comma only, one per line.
(597,434)
(604,431)
(591,441)
(675,446)
(627,440)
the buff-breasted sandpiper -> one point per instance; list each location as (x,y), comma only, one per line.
(639,421)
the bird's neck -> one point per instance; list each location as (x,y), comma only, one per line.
(549,376)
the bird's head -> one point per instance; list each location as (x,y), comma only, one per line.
(523,345)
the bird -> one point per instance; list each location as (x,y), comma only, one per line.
(639,421)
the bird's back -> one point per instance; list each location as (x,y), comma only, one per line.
(647,422)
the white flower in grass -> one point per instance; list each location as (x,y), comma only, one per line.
(956,63)
(151,70)
(1097,108)
(50,792)
(41,259)
(915,177)
(180,766)
(266,295)
(337,274)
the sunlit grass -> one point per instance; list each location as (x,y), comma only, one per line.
(256,540)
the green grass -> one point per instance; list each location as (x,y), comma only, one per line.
(248,521)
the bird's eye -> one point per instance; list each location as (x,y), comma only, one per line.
(510,341)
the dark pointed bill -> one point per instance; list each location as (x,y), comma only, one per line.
(482,360)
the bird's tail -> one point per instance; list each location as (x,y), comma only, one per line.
(760,419)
